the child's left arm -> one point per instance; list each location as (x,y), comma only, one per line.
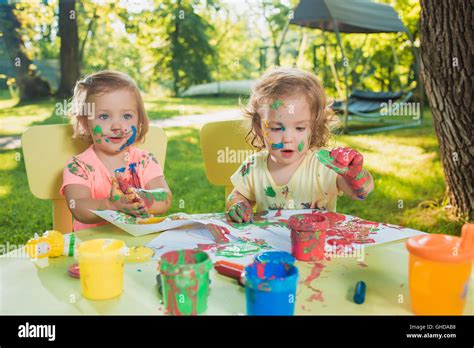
(353,179)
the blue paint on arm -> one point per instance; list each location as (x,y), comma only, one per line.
(132,167)
(120,170)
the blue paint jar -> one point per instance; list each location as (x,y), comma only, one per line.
(270,284)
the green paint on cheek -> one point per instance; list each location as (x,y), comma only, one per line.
(301,146)
(97,141)
(116,198)
(97,130)
(107,140)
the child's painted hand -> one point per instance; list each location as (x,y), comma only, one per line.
(349,164)
(126,202)
(349,161)
(240,212)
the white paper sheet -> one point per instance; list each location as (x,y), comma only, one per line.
(127,222)
(274,236)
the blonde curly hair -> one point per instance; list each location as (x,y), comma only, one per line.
(98,83)
(283,82)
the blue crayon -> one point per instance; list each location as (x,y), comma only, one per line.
(130,140)
(359,295)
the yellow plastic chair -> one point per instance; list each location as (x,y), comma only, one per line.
(224,149)
(46,150)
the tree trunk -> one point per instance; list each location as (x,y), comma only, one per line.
(447,45)
(29,83)
(69,52)
(175,49)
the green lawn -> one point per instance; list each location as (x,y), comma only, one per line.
(15,118)
(409,183)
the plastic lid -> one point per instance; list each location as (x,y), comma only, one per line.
(139,254)
(439,247)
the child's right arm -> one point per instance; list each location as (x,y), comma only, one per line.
(239,208)
(80,201)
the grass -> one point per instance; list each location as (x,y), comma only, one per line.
(409,182)
(15,117)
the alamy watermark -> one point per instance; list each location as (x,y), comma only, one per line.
(401,109)
(67,109)
(343,251)
(229,155)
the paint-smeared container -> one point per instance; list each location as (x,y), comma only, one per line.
(270,284)
(439,272)
(308,236)
(185,281)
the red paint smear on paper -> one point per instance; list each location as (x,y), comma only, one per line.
(317,296)
(354,231)
(278,213)
(204,247)
(218,233)
(338,242)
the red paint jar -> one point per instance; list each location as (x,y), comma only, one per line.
(308,236)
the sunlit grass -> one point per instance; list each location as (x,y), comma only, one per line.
(168,107)
(15,118)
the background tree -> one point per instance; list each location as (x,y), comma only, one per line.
(29,83)
(191,52)
(275,13)
(447,46)
(69,52)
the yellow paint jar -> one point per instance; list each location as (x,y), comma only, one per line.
(101,264)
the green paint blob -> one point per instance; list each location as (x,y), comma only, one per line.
(158,195)
(276,104)
(283,128)
(97,130)
(270,192)
(241,248)
(185,281)
(325,158)
(301,146)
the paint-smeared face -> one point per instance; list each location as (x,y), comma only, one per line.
(115,121)
(286,126)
